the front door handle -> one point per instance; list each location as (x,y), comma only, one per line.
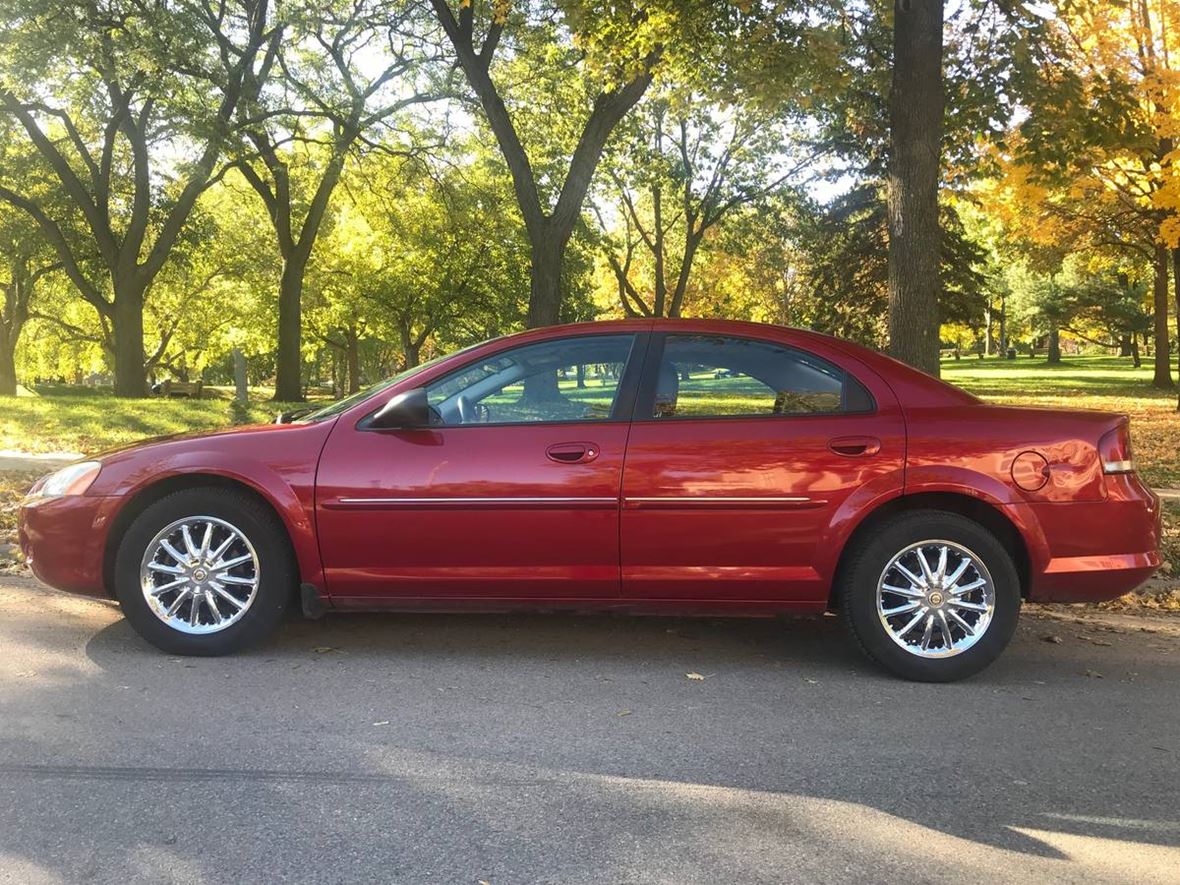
(855,446)
(572,452)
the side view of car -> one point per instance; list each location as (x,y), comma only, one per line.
(649,466)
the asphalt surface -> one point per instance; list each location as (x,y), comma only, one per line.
(519,749)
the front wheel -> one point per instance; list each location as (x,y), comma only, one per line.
(932,596)
(204,571)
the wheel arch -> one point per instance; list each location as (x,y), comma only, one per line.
(148,494)
(985,514)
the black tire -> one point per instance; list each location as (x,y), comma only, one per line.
(863,570)
(277,578)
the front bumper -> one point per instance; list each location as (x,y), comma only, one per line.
(64,540)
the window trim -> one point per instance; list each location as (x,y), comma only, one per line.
(621,413)
(646,394)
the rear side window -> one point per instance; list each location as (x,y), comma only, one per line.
(709,376)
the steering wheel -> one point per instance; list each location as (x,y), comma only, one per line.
(469,412)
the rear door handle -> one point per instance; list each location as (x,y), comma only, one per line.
(855,446)
(572,452)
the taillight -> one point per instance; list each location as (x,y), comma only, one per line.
(1115,450)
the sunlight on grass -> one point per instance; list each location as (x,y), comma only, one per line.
(93,422)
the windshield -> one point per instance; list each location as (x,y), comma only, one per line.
(343,405)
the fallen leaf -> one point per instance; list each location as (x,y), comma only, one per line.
(697,676)
(1051,637)
(1094,674)
(623,713)
(382,722)
(323,649)
(811,681)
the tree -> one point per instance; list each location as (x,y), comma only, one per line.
(681,167)
(849,266)
(109,95)
(613,92)
(915,150)
(346,68)
(25,263)
(1103,101)
(402,276)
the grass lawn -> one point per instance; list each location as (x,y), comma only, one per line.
(83,420)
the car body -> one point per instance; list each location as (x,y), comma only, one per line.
(692,466)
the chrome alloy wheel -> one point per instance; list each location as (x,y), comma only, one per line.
(199,575)
(935,599)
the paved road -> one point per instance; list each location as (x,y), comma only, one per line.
(424,749)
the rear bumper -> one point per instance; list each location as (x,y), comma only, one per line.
(64,541)
(1094,551)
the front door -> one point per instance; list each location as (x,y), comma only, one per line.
(513,493)
(741,455)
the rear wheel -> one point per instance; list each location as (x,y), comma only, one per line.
(204,572)
(932,596)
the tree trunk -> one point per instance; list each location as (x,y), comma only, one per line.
(241,381)
(1163,367)
(545,290)
(1176,289)
(7,362)
(352,357)
(411,347)
(915,123)
(988,343)
(289,362)
(1124,345)
(1136,361)
(127,323)
(1054,342)
(1003,327)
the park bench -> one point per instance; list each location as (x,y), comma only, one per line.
(169,387)
(957,352)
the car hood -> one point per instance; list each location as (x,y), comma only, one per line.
(188,435)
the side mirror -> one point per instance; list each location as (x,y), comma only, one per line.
(406,411)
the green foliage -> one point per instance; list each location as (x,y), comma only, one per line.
(848,274)
(206,163)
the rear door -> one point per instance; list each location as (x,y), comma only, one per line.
(741,456)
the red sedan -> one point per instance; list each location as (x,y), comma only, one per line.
(688,467)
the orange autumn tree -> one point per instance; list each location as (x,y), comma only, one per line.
(1097,152)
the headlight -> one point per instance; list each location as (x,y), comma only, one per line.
(72,480)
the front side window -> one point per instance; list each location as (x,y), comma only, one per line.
(568,379)
(711,376)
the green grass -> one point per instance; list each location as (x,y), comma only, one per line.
(85,421)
